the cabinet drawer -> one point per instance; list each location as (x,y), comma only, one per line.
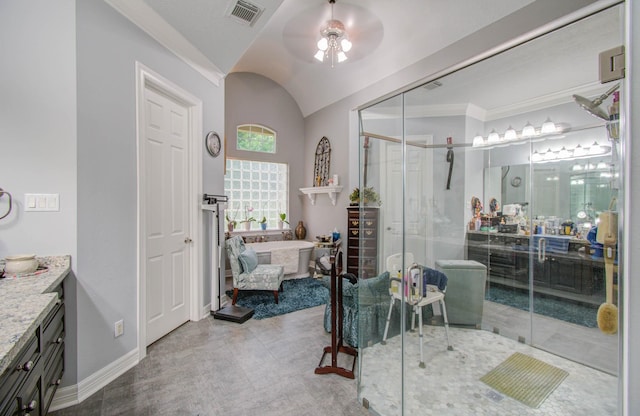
(27,399)
(52,377)
(53,335)
(18,370)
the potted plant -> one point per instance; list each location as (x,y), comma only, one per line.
(368,196)
(248,219)
(282,220)
(231,224)
(263,223)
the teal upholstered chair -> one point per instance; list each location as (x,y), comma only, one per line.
(365,305)
(247,273)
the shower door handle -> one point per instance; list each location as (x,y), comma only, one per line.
(542,250)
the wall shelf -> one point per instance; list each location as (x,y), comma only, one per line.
(331,191)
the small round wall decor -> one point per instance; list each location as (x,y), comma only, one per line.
(212,143)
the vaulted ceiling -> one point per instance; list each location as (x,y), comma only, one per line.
(387,36)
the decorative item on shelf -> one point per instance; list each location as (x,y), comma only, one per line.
(322,163)
(369,196)
(263,223)
(301,231)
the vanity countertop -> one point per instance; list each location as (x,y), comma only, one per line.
(25,302)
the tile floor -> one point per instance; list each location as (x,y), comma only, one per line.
(213,367)
(265,367)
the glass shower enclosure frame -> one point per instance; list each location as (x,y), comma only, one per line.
(486,174)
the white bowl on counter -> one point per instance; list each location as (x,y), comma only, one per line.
(21,263)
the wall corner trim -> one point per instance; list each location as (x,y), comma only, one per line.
(71,395)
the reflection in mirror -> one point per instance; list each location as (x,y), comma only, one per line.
(571,190)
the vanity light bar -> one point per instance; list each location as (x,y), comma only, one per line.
(569,154)
(511,135)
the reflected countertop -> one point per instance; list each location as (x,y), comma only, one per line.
(26,300)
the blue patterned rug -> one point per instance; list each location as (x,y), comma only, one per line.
(297,294)
(563,309)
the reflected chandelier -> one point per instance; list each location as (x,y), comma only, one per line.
(334,42)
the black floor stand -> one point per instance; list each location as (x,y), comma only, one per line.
(337,314)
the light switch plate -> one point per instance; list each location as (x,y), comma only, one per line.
(42,202)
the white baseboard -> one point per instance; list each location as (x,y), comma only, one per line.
(72,395)
(206,311)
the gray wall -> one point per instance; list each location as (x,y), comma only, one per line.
(108,47)
(38,134)
(254,99)
(338,120)
(93,168)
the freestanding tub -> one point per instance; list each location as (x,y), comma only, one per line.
(286,249)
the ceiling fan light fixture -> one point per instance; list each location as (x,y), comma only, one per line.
(334,41)
(323,44)
(346,45)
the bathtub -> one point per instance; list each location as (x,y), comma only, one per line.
(287,252)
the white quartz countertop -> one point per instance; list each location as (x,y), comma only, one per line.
(25,302)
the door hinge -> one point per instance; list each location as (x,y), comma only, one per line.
(612,64)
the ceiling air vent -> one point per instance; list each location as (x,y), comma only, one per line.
(433,85)
(244,12)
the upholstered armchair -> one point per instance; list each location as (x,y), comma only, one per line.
(247,273)
(365,305)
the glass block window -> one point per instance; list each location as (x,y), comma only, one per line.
(255,190)
(256,138)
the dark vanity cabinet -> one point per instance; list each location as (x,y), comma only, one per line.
(28,385)
(567,274)
(362,241)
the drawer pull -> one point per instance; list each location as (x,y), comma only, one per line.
(57,382)
(58,341)
(31,406)
(26,366)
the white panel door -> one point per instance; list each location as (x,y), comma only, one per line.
(418,199)
(166,239)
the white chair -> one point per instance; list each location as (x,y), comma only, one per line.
(414,296)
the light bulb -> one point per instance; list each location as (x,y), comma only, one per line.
(536,157)
(564,153)
(319,56)
(579,151)
(478,141)
(346,45)
(595,149)
(510,134)
(548,127)
(550,155)
(493,137)
(528,130)
(341,56)
(323,44)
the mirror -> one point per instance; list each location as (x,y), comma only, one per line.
(575,185)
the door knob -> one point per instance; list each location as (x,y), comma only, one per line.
(187,240)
